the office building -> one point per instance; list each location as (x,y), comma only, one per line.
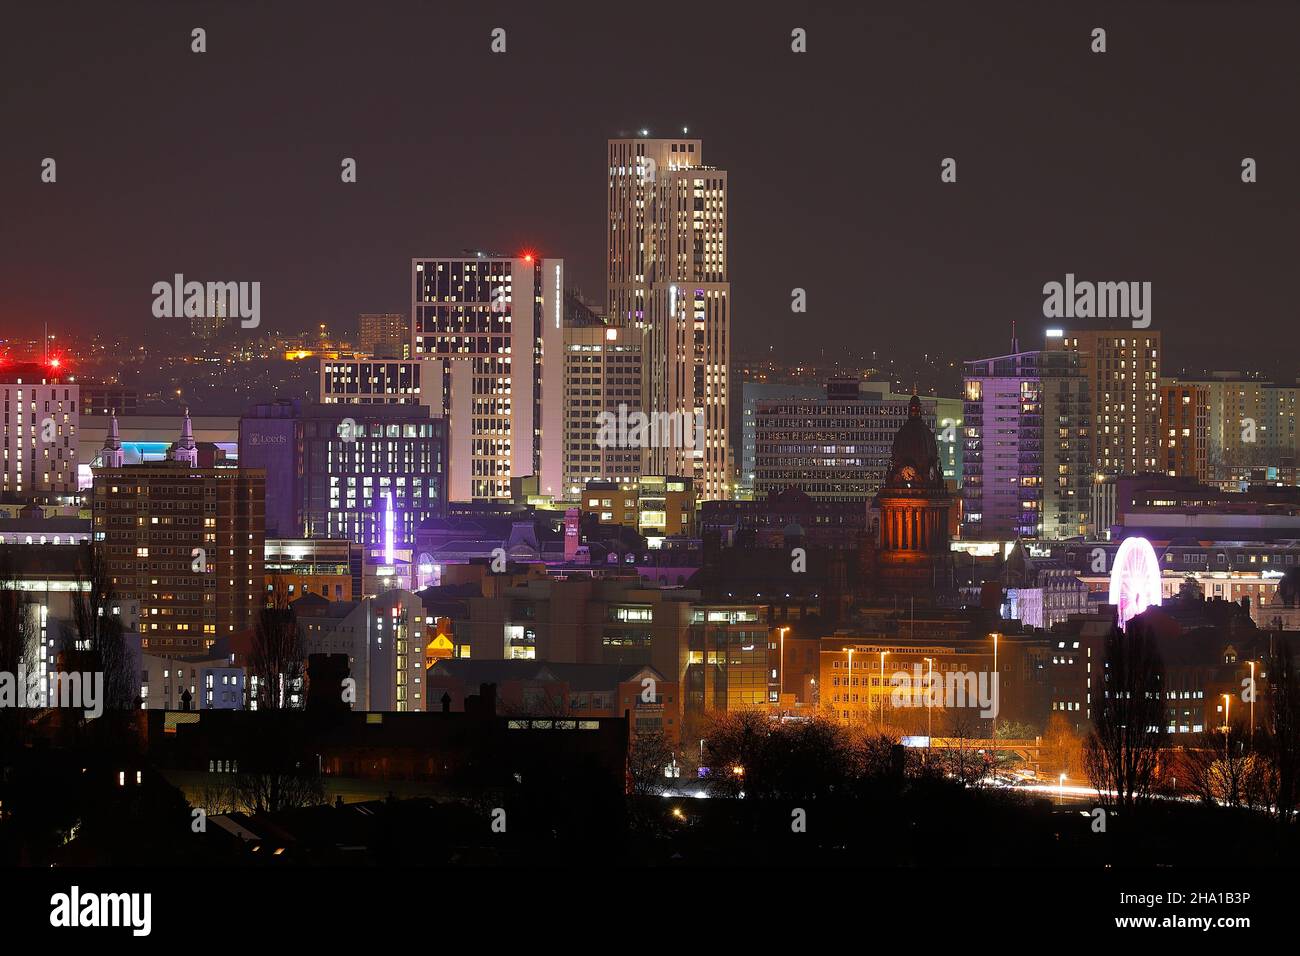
(331,568)
(347,471)
(362,380)
(752,393)
(602,372)
(665,506)
(498,323)
(41,421)
(834,448)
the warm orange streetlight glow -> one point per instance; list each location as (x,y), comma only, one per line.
(929,703)
(848,681)
(882,688)
(1252,700)
(780,667)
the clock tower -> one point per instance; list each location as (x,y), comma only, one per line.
(913,555)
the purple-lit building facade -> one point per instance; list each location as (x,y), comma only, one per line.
(1028,468)
(330,469)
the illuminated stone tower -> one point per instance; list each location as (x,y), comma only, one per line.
(913,555)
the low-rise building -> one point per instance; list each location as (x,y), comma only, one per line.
(529,688)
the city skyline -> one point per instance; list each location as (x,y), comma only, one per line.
(649,441)
(929,259)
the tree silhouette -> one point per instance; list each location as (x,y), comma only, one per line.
(1122,753)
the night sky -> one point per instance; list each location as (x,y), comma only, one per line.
(225,165)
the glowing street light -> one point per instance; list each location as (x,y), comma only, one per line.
(929,704)
(780,667)
(1252,701)
(848,681)
(997,682)
(1227,726)
(882,689)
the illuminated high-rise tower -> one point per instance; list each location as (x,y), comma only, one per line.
(667,275)
(41,418)
(1123,371)
(496,324)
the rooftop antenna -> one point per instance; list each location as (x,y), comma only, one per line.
(1015,344)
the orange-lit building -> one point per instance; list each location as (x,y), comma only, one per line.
(188,544)
(328,567)
(440,641)
(1184,430)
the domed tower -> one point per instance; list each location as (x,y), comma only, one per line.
(913,555)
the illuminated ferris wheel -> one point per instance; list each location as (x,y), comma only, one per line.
(1134,579)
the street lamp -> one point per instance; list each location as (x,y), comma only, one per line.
(1252,701)
(1227,726)
(1060,790)
(780,666)
(848,681)
(996,683)
(929,705)
(882,689)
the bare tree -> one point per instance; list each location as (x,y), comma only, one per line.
(1222,766)
(648,755)
(962,760)
(871,752)
(100,637)
(1062,750)
(277,659)
(19,657)
(1122,753)
(271,790)
(1281,738)
(734,748)
(219,795)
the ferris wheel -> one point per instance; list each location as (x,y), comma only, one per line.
(1134,579)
